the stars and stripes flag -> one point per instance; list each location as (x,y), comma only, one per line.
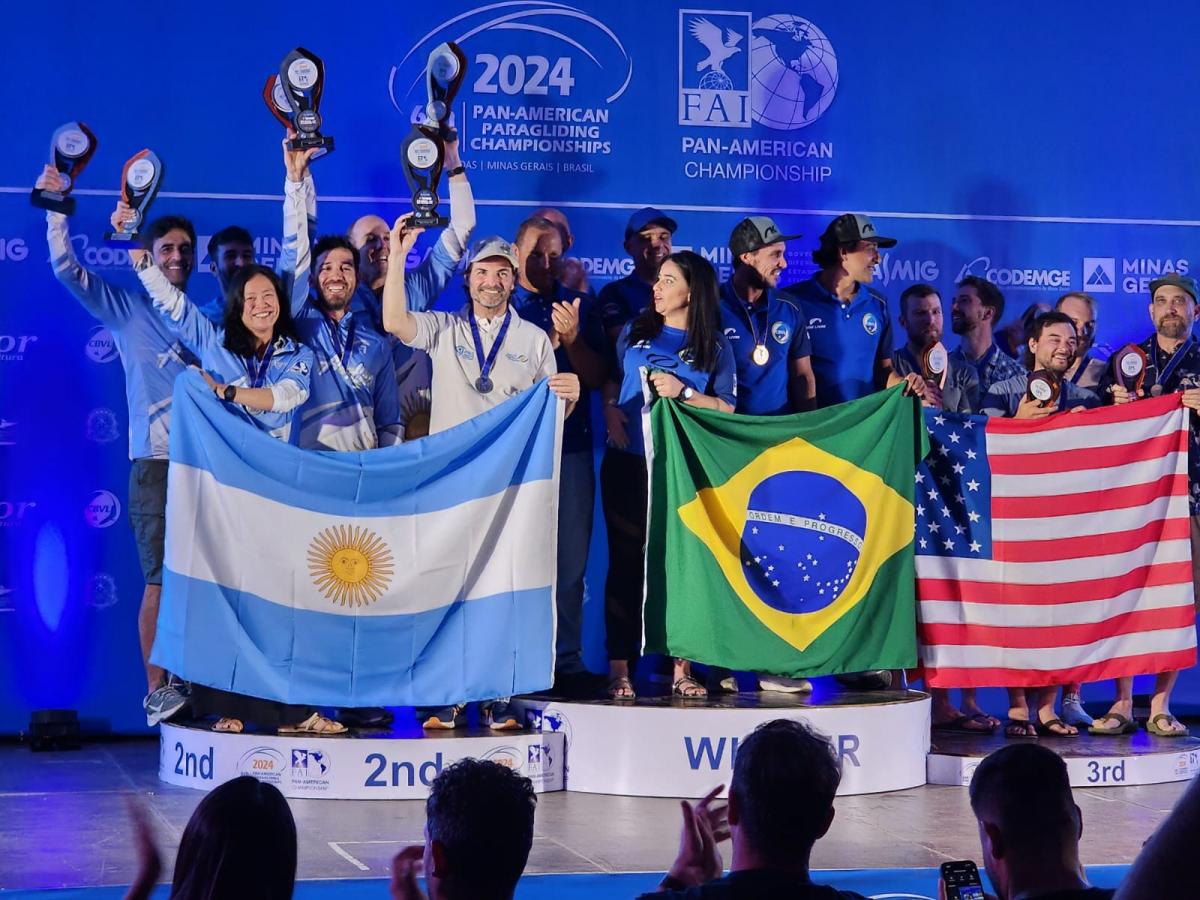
(1055,551)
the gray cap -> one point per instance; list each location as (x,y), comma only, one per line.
(754,233)
(493,247)
(1184,282)
(853,227)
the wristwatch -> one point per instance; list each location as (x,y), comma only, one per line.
(230,392)
(687,393)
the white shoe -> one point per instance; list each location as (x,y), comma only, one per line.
(779,684)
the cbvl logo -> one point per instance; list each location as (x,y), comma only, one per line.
(714,68)
(1100,274)
(102,510)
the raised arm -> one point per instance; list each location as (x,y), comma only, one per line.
(427,281)
(397,318)
(299,223)
(177,311)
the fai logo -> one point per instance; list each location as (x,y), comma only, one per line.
(778,70)
(1099,274)
(102,510)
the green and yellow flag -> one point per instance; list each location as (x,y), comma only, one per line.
(784,544)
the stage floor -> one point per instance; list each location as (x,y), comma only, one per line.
(63,824)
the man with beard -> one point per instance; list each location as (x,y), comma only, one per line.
(482,355)
(151,356)
(848,321)
(921,319)
(229,249)
(1052,344)
(1172,365)
(975,312)
(648,242)
(1087,371)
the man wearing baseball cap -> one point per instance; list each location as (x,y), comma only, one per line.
(648,242)
(848,321)
(1172,366)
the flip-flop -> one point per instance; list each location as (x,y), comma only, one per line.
(1126,726)
(621,688)
(1046,729)
(958,725)
(1159,732)
(688,688)
(316,724)
(228,725)
(1022,735)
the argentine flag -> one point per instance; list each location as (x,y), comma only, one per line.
(418,574)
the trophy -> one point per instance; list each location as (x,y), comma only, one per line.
(139,186)
(302,80)
(277,101)
(71,148)
(423,152)
(936,363)
(1044,387)
(1129,368)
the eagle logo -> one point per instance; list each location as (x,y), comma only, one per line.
(719,48)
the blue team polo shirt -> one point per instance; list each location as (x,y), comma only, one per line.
(621,300)
(763,390)
(847,338)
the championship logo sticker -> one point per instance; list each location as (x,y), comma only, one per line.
(781,332)
(870,323)
(349,565)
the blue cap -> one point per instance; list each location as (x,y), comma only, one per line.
(647,216)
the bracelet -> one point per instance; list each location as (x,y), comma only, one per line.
(457,170)
(671,883)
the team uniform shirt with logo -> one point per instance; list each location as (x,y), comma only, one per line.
(621,300)
(848,339)
(151,355)
(1183,375)
(780,325)
(960,394)
(285,369)
(535,309)
(524,359)
(993,367)
(1003,398)
(665,353)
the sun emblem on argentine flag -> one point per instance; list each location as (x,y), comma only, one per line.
(350,565)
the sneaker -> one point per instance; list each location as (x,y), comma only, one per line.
(162,703)
(184,687)
(444,717)
(872,680)
(501,716)
(1073,712)
(781,685)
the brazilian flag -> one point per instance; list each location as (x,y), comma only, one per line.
(784,544)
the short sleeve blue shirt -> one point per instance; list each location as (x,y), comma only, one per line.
(781,326)
(848,339)
(621,300)
(665,353)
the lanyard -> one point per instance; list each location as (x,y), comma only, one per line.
(485,365)
(1165,372)
(341,350)
(754,316)
(258,372)
(1083,364)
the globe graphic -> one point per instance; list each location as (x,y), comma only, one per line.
(793,71)
(716,81)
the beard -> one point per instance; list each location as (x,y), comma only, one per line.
(1173,328)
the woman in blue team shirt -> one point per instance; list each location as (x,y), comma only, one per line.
(678,342)
(254,361)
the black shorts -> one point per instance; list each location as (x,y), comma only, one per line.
(148,514)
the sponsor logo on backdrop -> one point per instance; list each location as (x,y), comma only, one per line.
(509,757)
(263,763)
(901,270)
(549,718)
(100,256)
(102,509)
(735,71)
(267,251)
(1099,274)
(1138,272)
(13,512)
(541,81)
(100,346)
(13,249)
(1033,279)
(7,434)
(13,347)
(102,591)
(102,426)
(310,769)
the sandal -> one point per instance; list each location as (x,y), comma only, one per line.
(314,724)
(689,688)
(1054,728)
(228,725)
(1124,725)
(1162,732)
(621,688)
(1019,728)
(962,725)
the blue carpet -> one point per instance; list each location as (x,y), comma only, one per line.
(897,884)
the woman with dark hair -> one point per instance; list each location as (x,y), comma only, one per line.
(254,359)
(678,342)
(240,842)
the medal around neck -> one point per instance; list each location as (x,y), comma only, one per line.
(140,180)
(1044,387)
(302,79)
(423,153)
(71,148)
(761,355)
(483,385)
(1129,368)
(936,363)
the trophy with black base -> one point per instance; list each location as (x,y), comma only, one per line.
(423,153)
(140,179)
(1129,369)
(1044,388)
(71,147)
(935,362)
(302,81)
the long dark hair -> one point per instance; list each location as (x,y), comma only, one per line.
(238,338)
(240,842)
(700,343)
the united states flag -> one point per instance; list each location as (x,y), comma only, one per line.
(1057,550)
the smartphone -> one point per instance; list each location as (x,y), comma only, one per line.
(962,880)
